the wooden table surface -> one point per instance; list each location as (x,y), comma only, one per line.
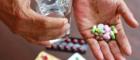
(13,47)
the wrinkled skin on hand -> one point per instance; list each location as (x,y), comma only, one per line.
(92,12)
(35,28)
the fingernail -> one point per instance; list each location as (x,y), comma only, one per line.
(129,52)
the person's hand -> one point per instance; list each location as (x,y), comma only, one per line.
(92,12)
(35,28)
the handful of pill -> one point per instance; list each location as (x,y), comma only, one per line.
(104,32)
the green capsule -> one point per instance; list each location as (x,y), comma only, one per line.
(93,29)
(114,29)
(98,30)
(102,31)
(112,35)
(96,33)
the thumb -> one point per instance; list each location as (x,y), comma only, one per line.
(56,22)
(127,15)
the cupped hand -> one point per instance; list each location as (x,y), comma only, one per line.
(35,28)
(92,12)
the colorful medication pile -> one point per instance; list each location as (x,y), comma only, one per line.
(70,44)
(104,32)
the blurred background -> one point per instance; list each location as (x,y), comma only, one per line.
(13,47)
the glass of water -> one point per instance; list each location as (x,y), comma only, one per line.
(55,8)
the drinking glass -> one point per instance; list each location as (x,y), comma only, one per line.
(54,8)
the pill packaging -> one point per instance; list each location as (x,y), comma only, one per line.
(76,56)
(43,55)
(69,44)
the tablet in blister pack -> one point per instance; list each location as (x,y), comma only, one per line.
(70,44)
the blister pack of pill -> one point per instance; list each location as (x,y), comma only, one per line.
(69,44)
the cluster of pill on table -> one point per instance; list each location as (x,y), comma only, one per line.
(70,44)
(104,32)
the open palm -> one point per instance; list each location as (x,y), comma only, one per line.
(92,12)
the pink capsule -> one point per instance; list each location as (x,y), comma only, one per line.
(107,28)
(74,48)
(82,42)
(75,41)
(67,40)
(106,36)
(68,48)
